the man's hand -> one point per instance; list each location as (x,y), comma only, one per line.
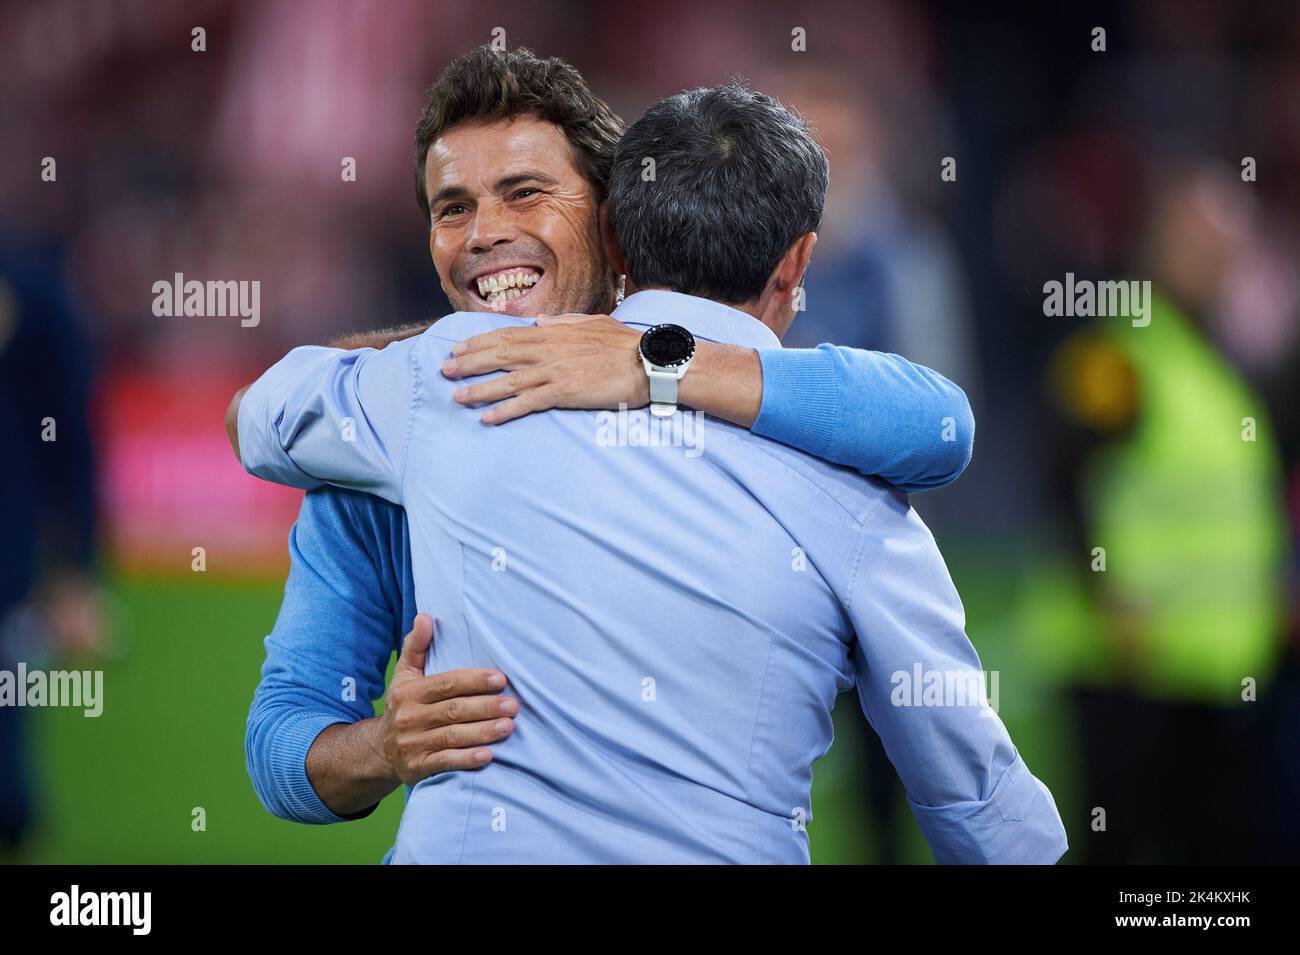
(437,723)
(74,612)
(592,361)
(430,724)
(567,361)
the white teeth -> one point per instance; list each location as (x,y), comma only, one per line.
(516,280)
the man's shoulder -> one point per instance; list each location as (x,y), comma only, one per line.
(850,492)
(461,325)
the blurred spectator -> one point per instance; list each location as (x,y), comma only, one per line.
(1171,465)
(48,599)
(882,276)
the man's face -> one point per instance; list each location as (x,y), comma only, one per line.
(514,223)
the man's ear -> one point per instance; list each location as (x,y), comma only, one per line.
(789,271)
(609,241)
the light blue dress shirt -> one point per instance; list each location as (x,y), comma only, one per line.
(676,610)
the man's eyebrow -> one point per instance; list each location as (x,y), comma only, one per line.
(519,178)
(502,185)
(448,192)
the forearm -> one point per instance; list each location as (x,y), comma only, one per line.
(874,412)
(918,437)
(378,339)
(232,420)
(725,381)
(346,767)
(877,413)
(282,728)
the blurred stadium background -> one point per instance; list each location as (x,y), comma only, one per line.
(1126,163)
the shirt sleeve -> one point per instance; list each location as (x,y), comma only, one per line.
(877,413)
(922,689)
(326,415)
(328,654)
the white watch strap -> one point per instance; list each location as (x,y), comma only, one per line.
(663,391)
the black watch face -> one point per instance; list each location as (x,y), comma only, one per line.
(667,345)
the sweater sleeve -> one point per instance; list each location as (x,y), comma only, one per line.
(877,413)
(328,654)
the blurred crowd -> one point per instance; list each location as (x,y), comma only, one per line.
(1137,488)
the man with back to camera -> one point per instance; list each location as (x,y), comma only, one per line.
(675,669)
(319,755)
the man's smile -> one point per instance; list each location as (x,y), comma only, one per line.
(502,288)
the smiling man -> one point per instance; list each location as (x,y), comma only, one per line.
(513,159)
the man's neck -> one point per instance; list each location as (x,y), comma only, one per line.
(754,309)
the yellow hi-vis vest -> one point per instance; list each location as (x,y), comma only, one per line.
(1188,510)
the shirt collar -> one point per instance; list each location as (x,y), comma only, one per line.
(709,320)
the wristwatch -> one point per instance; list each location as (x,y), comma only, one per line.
(666,351)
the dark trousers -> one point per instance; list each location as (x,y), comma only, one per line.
(15,789)
(1180,782)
